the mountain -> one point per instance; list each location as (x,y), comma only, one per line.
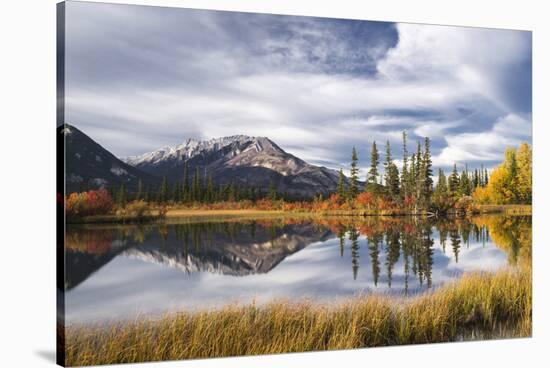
(243,160)
(90,166)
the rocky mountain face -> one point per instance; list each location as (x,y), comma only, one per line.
(243,160)
(90,166)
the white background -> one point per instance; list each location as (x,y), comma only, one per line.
(27,180)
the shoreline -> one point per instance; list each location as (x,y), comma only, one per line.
(186,213)
(478,305)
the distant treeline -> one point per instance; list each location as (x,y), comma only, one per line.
(410,189)
(198,188)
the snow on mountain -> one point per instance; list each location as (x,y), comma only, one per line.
(239,159)
(191,148)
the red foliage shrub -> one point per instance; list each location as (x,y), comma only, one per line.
(93,202)
(366,200)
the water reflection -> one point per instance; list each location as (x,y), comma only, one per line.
(116,271)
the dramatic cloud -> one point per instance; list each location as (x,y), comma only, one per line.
(139,78)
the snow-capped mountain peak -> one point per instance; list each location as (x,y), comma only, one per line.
(193,147)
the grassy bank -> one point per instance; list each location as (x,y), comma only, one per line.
(507,209)
(479,305)
(183,213)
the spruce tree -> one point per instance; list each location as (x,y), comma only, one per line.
(393,181)
(272,193)
(387,163)
(412,175)
(175,191)
(419,173)
(341,190)
(163,191)
(210,189)
(427,181)
(405,169)
(475,179)
(453,181)
(232,196)
(354,176)
(464,184)
(139,193)
(374,162)
(197,186)
(185,185)
(122,196)
(441,187)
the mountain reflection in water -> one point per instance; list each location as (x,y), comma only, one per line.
(118,271)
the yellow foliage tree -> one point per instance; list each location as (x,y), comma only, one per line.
(481,195)
(511,181)
(525,173)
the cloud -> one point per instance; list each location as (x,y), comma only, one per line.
(487,146)
(139,78)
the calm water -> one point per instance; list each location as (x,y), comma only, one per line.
(120,271)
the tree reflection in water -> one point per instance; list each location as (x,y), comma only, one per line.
(257,246)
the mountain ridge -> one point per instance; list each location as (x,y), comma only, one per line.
(241,159)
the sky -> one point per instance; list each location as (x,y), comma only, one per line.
(138,78)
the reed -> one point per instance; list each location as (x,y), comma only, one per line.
(479,305)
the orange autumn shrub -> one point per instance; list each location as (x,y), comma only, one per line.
(92,202)
(366,200)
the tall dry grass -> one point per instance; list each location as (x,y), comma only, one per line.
(477,306)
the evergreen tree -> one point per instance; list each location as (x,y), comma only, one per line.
(393,181)
(185,185)
(163,191)
(272,193)
(139,193)
(453,181)
(230,193)
(354,176)
(197,185)
(441,187)
(341,190)
(210,189)
(412,175)
(374,162)
(419,173)
(405,188)
(122,196)
(387,162)
(418,168)
(427,181)
(464,184)
(475,179)
(175,191)
(147,194)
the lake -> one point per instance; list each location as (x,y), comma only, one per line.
(117,272)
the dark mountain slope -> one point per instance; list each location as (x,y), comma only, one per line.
(90,166)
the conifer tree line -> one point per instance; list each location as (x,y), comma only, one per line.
(195,187)
(411,185)
(414,184)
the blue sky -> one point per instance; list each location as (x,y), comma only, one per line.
(139,78)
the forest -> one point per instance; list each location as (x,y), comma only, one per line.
(411,189)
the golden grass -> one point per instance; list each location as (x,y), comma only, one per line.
(477,306)
(508,209)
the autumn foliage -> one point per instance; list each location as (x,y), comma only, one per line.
(92,202)
(511,181)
